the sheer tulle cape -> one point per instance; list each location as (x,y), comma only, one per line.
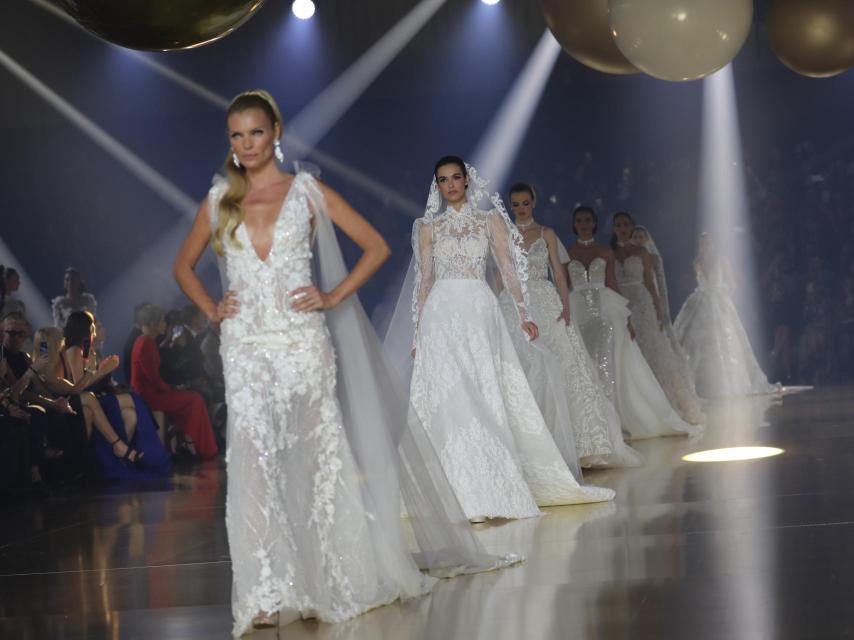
(390,445)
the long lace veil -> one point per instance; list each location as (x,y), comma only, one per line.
(660,276)
(395,456)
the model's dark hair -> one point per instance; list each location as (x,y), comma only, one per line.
(449,160)
(619,214)
(585,209)
(522,187)
(78,328)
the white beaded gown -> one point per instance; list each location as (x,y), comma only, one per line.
(468,386)
(714,340)
(654,343)
(600,314)
(308,536)
(595,422)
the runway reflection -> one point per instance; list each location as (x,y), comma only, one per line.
(730,550)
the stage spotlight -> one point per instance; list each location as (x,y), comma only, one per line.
(498,147)
(303,9)
(490,2)
(733,454)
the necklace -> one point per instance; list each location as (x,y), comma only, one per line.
(524,226)
(586,243)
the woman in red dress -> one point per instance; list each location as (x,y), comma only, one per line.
(186,409)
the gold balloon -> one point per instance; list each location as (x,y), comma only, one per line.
(581,27)
(680,40)
(813,37)
(161,25)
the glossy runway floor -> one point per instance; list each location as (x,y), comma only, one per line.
(739,550)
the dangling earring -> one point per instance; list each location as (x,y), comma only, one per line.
(235,160)
(280,156)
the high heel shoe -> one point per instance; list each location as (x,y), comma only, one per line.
(265,621)
(131,456)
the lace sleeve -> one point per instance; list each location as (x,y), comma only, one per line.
(511,262)
(422,250)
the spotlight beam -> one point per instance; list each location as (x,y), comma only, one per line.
(124,156)
(499,146)
(322,113)
(38,309)
(369,184)
(724,209)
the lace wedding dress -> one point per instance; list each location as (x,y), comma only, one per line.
(468,387)
(654,343)
(601,314)
(314,497)
(595,422)
(714,340)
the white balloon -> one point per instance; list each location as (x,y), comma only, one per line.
(680,39)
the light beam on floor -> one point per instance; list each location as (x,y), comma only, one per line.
(498,147)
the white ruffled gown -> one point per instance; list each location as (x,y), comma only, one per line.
(468,386)
(595,422)
(655,344)
(714,340)
(302,540)
(600,314)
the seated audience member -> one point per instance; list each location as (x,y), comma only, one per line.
(186,409)
(127,350)
(126,412)
(42,415)
(54,378)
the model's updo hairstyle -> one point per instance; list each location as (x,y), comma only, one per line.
(522,187)
(450,160)
(230,213)
(616,216)
(585,209)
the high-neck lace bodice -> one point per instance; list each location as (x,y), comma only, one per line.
(592,277)
(538,260)
(456,245)
(461,244)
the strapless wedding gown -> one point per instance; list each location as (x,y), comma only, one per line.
(601,315)
(595,422)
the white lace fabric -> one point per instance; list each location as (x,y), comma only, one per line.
(671,372)
(600,315)
(714,340)
(313,522)
(594,420)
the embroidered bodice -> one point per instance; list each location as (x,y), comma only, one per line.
(264,286)
(711,279)
(538,260)
(630,271)
(456,245)
(588,278)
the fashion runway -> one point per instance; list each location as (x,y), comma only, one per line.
(738,550)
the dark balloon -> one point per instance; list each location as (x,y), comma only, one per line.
(813,37)
(581,27)
(161,25)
